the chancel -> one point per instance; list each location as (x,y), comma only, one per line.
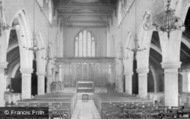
(96,59)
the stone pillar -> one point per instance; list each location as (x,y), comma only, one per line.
(63,73)
(3,65)
(119,84)
(142,82)
(60,73)
(113,73)
(128,82)
(26,83)
(49,81)
(184,81)
(41,83)
(171,82)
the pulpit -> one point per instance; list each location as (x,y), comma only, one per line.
(57,86)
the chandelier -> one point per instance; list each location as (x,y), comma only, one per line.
(48,58)
(137,47)
(165,21)
(34,47)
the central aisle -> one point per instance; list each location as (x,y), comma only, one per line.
(85,110)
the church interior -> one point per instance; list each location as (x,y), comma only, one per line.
(96,59)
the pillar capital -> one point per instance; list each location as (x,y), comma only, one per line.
(142,71)
(26,71)
(170,65)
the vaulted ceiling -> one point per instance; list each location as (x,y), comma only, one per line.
(93,13)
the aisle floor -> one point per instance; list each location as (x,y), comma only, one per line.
(85,110)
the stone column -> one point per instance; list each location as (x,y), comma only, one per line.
(60,73)
(113,72)
(120,84)
(41,83)
(128,82)
(184,81)
(26,83)
(142,82)
(63,73)
(49,81)
(3,65)
(171,83)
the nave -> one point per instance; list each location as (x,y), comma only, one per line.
(85,110)
(103,106)
(133,56)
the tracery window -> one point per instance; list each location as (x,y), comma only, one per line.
(85,44)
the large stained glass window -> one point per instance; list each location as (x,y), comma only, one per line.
(85,44)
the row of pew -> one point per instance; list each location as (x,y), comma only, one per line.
(142,111)
(60,105)
(56,110)
(121,98)
(122,106)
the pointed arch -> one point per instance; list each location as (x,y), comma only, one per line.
(24,39)
(85,44)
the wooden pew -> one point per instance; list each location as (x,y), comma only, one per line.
(120,105)
(60,104)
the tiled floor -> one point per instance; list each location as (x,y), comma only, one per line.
(85,110)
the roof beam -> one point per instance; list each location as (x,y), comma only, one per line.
(89,7)
(87,22)
(86,26)
(84,14)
